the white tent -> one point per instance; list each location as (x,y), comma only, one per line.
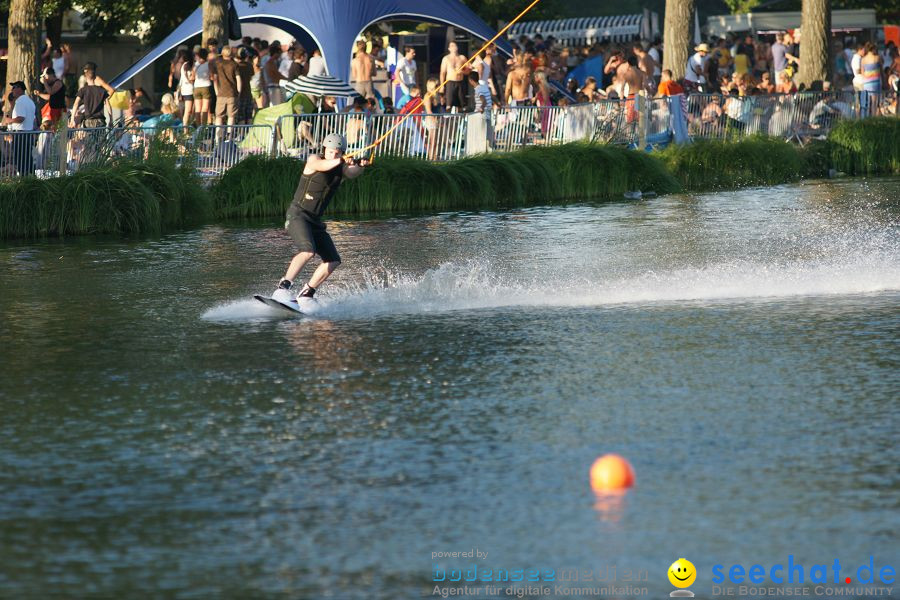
(584,31)
(782,21)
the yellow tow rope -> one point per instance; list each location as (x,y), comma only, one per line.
(438,88)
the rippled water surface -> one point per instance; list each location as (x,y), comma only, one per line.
(163,433)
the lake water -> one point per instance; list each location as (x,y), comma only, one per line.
(164,435)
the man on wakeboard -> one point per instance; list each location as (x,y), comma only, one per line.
(322,176)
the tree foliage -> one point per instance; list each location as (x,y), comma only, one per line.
(885,10)
(492,11)
(105,19)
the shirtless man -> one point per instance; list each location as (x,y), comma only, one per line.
(451,72)
(630,77)
(518,83)
(361,69)
(647,66)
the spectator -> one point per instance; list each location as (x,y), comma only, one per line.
(452,73)
(186,90)
(695,73)
(482,93)
(246,101)
(765,85)
(272,76)
(518,89)
(482,68)
(712,112)
(856,67)
(316,64)
(668,86)
(647,66)
(713,78)
(329,105)
(589,91)
(723,54)
(822,115)
(298,65)
(212,50)
(356,124)
(761,59)
(227,81)
(119,103)
(404,74)
(257,91)
(287,59)
(202,87)
(787,84)
(362,68)
(542,98)
(182,56)
(141,104)
(782,58)
(92,97)
(743,58)
(870,69)
(22,118)
(54,95)
(68,76)
(870,73)
(43,151)
(169,108)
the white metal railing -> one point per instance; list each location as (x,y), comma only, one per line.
(635,121)
(218,148)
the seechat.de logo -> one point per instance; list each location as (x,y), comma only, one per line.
(793,572)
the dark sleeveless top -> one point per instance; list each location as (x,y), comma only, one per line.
(315,191)
(58,98)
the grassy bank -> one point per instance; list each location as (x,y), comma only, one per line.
(127,196)
(866,147)
(869,147)
(264,187)
(711,165)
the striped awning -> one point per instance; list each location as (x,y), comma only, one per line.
(582,31)
(319,85)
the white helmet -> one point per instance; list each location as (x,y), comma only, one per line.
(336,141)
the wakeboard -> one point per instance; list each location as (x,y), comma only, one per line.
(290,305)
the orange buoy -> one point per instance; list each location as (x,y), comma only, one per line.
(611,473)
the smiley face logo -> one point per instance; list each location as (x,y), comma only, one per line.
(682,573)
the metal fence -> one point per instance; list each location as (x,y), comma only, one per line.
(636,121)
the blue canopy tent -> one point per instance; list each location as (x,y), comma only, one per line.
(592,67)
(332,26)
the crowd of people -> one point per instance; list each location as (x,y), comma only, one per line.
(214,84)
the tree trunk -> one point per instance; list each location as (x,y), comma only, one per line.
(24,42)
(815,31)
(677,36)
(215,21)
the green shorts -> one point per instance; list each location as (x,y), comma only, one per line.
(256,93)
(202,93)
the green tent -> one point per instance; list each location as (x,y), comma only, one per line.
(258,138)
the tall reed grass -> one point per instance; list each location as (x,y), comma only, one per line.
(112,196)
(866,147)
(264,187)
(258,186)
(713,164)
